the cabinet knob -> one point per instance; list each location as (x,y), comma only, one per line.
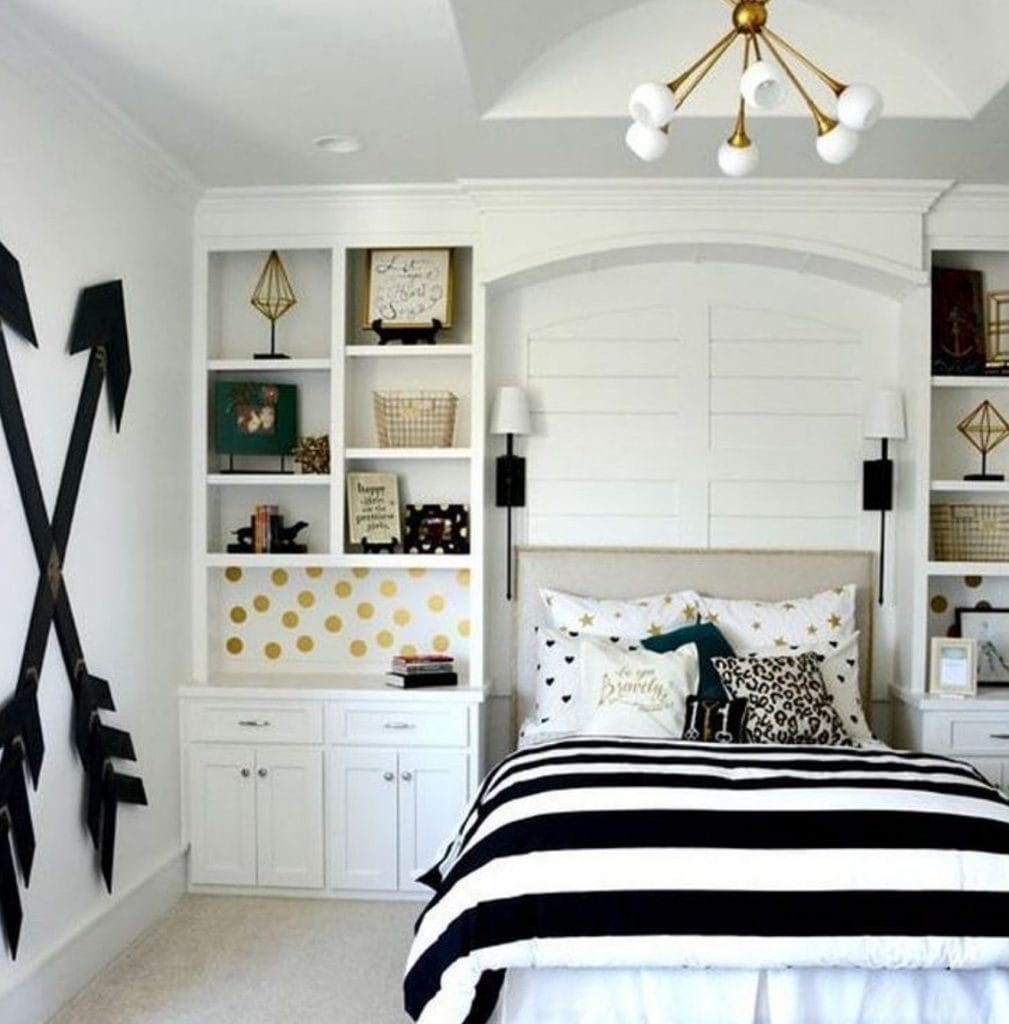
(254,723)
(388,776)
(262,773)
(246,773)
(407,776)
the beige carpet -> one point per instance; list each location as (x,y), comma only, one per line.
(258,961)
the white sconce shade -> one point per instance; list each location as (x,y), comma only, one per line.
(762,86)
(859,107)
(884,416)
(738,161)
(646,143)
(510,412)
(652,104)
(838,145)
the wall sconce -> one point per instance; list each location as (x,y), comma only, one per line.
(884,419)
(510,416)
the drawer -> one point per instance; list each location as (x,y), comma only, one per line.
(261,722)
(979,734)
(417,725)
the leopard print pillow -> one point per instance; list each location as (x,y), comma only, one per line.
(787,700)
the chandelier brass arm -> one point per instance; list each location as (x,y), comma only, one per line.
(763,86)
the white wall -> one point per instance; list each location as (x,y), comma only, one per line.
(695,405)
(81,202)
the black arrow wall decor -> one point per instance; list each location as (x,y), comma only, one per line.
(99,328)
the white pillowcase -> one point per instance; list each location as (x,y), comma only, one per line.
(627,617)
(562,706)
(839,669)
(638,693)
(750,626)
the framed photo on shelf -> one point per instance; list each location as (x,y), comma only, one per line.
(959,345)
(437,530)
(989,628)
(253,418)
(953,671)
(373,510)
(998,332)
(409,287)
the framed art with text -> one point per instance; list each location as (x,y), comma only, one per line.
(409,287)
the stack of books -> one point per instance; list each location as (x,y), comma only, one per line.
(410,670)
(264,528)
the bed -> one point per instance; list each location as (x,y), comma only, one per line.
(599,878)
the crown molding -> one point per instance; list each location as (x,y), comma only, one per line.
(27,53)
(706,195)
(975,198)
(338,197)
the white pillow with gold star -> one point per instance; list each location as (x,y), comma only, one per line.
(636,618)
(755,625)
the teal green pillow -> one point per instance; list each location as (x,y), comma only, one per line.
(710,644)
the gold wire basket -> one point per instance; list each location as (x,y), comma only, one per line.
(415,419)
(970,533)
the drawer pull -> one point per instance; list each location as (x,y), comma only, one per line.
(407,776)
(246,772)
(262,773)
(999,736)
(388,776)
(253,723)
(399,725)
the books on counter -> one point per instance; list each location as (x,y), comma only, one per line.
(412,670)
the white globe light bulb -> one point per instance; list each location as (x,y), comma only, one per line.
(738,161)
(652,104)
(859,107)
(645,142)
(838,145)
(762,86)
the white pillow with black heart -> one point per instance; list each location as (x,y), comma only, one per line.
(753,625)
(621,617)
(561,705)
(840,672)
(637,693)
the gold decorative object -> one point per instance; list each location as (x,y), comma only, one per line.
(998,330)
(654,104)
(273,297)
(985,428)
(312,454)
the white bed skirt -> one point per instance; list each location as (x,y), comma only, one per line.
(800,996)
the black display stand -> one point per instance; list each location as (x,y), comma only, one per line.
(424,335)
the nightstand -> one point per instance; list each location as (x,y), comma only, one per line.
(974,729)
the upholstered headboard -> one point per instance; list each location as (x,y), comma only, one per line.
(637,572)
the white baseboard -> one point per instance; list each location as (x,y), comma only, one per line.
(61,972)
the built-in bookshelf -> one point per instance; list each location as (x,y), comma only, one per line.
(247,606)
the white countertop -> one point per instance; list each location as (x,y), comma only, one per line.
(989,698)
(321,686)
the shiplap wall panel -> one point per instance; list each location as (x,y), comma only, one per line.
(610,393)
(608,531)
(757,359)
(591,434)
(588,358)
(790,534)
(791,396)
(792,499)
(782,433)
(604,497)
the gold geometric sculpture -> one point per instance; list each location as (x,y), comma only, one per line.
(998,330)
(273,297)
(985,428)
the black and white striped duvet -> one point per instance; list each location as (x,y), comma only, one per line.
(618,852)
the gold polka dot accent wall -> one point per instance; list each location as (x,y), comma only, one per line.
(332,619)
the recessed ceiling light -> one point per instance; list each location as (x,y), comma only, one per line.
(338,143)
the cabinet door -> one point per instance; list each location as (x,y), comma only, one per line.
(289,816)
(361,786)
(432,796)
(222,815)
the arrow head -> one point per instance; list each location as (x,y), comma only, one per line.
(14,309)
(100,319)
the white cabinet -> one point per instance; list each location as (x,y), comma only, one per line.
(255,816)
(389,812)
(969,729)
(347,792)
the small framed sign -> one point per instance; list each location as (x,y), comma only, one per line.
(954,667)
(373,509)
(409,287)
(989,627)
(253,418)
(437,529)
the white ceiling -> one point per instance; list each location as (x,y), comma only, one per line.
(235,90)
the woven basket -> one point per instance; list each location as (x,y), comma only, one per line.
(415,419)
(970,533)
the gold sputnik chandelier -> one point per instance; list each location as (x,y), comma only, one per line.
(762,86)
